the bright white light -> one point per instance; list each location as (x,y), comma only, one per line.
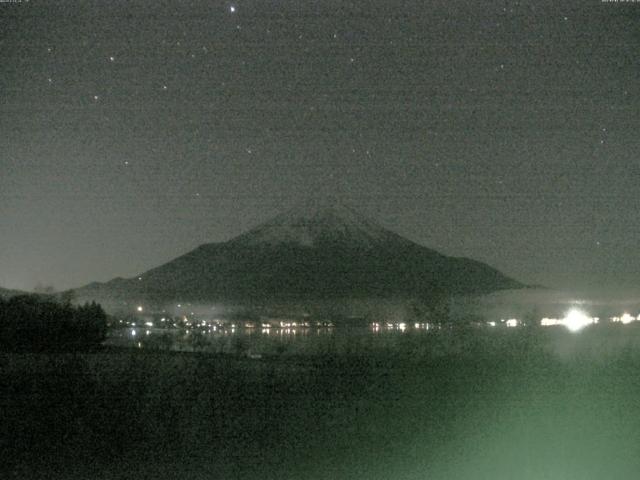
(626,318)
(512,322)
(232,9)
(576,320)
(149,324)
(549,322)
(139,308)
(491,324)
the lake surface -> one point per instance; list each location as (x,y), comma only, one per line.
(468,404)
(420,340)
(269,341)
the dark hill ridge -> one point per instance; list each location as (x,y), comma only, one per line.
(315,251)
(5,293)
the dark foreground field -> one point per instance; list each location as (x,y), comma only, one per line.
(463,405)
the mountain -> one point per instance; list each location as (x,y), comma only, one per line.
(313,251)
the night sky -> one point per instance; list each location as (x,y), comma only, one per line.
(505,131)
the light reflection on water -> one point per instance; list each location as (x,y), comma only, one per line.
(267,341)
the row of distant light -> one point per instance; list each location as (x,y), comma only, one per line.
(402,326)
(575,320)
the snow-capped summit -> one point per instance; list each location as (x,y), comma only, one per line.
(320,222)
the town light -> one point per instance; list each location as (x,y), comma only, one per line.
(576,320)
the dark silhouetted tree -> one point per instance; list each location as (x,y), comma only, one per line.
(30,322)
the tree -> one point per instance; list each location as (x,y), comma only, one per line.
(67,297)
(29,322)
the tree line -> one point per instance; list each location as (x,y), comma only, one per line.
(35,323)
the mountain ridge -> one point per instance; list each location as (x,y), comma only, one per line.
(309,251)
(8,293)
